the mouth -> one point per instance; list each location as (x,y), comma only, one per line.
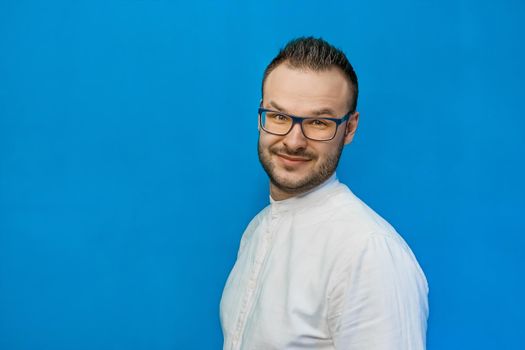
(292,159)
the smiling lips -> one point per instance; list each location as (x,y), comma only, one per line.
(292,160)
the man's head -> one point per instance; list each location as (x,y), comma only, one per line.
(308,78)
(316,55)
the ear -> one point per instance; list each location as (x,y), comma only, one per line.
(259,117)
(351,127)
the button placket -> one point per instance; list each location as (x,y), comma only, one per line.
(260,258)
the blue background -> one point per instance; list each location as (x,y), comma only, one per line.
(125,188)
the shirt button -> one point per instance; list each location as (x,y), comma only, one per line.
(259,258)
(251,284)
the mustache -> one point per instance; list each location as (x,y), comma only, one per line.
(300,152)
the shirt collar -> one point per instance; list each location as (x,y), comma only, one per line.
(304,199)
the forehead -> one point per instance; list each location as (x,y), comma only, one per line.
(302,90)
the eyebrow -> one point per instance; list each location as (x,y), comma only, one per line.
(314,113)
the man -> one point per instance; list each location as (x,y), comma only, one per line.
(317,268)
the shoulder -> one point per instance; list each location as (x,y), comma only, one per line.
(345,222)
(378,296)
(252,227)
(256,221)
(378,288)
(353,214)
(369,250)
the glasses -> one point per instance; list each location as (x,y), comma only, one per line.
(317,129)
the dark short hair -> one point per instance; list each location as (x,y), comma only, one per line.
(315,54)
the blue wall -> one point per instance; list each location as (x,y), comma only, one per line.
(123,193)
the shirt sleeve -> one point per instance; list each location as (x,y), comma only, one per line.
(379,300)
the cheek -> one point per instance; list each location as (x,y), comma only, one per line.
(324,151)
(267,141)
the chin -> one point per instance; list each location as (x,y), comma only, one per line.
(293,182)
(290,177)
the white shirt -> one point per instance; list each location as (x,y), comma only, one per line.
(324,271)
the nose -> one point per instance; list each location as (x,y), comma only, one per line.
(295,139)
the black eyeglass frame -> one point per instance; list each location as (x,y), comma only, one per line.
(299,120)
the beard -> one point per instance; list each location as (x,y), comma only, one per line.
(299,185)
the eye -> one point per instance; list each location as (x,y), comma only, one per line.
(278,118)
(320,123)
